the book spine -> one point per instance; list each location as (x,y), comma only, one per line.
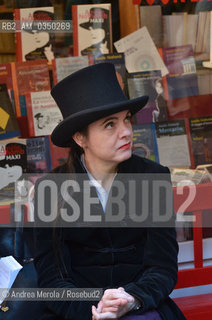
(54,71)
(30,115)
(18,39)
(164,79)
(188,133)
(15,90)
(75,29)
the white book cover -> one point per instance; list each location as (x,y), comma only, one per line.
(140,52)
(66,66)
(32,44)
(9,269)
(43,113)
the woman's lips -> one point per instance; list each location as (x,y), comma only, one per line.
(125,146)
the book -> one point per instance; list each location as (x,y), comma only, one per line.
(13,165)
(182,78)
(151,17)
(59,155)
(173,144)
(144,141)
(189,107)
(148,83)
(63,67)
(8,123)
(6,76)
(201,136)
(92,29)
(118,60)
(32,44)
(175,27)
(28,76)
(43,113)
(9,269)
(140,52)
(38,155)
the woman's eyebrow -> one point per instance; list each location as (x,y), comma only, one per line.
(109,118)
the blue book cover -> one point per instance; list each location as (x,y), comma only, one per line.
(145,142)
(38,155)
(182,78)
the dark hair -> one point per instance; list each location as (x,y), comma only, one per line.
(57,237)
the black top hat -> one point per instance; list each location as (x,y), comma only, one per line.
(98,18)
(88,95)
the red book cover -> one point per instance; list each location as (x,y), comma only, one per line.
(6,75)
(28,76)
(92,29)
(58,155)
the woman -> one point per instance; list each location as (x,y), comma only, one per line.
(136,267)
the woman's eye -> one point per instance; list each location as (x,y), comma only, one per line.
(109,125)
(128,118)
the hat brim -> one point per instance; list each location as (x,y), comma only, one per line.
(63,132)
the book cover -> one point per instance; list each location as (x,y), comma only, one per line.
(189,107)
(151,17)
(32,44)
(8,123)
(148,83)
(201,136)
(6,76)
(140,52)
(43,113)
(13,164)
(182,78)
(144,141)
(38,155)
(118,60)
(63,67)
(173,144)
(9,269)
(175,27)
(92,29)
(58,155)
(28,76)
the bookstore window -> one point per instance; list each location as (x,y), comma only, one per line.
(160,48)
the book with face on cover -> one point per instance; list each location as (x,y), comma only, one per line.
(28,76)
(148,83)
(32,43)
(13,164)
(92,29)
(8,123)
(43,114)
(141,54)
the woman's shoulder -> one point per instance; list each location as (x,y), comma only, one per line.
(137,164)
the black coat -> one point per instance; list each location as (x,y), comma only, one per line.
(142,260)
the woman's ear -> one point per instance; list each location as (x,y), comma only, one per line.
(78,138)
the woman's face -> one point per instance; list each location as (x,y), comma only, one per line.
(41,39)
(109,140)
(97,35)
